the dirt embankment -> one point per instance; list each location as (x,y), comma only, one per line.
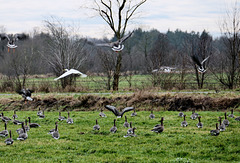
(142,101)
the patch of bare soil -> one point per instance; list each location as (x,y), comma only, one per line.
(141,100)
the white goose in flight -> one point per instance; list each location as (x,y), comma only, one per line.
(69,72)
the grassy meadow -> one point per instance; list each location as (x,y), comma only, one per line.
(79,143)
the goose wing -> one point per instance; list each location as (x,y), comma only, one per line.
(125,37)
(205,60)
(127,109)
(4,36)
(64,75)
(104,44)
(21,36)
(196,60)
(112,109)
(73,71)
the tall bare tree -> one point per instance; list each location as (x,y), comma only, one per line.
(230,28)
(117,15)
(63,51)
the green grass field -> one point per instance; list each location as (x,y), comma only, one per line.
(79,143)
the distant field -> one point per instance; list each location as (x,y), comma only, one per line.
(97,83)
(79,143)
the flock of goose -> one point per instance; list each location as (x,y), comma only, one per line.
(25,127)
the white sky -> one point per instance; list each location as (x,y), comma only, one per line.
(187,15)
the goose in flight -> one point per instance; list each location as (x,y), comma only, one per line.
(117,46)
(26,94)
(12,39)
(116,112)
(201,68)
(69,72)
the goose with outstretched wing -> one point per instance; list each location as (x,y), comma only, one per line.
(201,68)
(12,39)
(116,112)
(117,46)
(70,72)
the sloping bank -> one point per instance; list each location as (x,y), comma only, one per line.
(141,100)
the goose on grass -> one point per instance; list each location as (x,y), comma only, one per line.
(69,120)
(56,134)
(215,132)
(32,125)
(61,118)
(23,136)
(4,133)
(184,123)
(126,124)
(9,140)
(96,126)
(159,127)
(114,128)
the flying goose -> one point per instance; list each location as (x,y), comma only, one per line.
(4,133)
(199,124)
(184,123)
(26,94)
(101,114)
(131,134)
(52,130)
(96,127)
(32,125)
(69,120)
(114,128)
(56,134)
(14,115)
(126,124)
(117,46)
(134,113)
(222,126)
(158,128)
(231,115)
(12,39)
(116,112)
(9,140)
(16,122)
(42,115)
(23,136)
(69,72)
(4,118)
(201,67)
(225,121)
(180,114)
(61,118)
(215,132)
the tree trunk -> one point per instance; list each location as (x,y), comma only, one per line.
(116,75)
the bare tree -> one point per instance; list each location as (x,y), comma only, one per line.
(117,14)
(107,61)
(230,28)
(204,50)
(64,51)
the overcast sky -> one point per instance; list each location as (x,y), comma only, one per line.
(187,15)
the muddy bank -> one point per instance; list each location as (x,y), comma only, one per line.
(142,101)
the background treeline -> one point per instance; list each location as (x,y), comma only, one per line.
(52,51)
